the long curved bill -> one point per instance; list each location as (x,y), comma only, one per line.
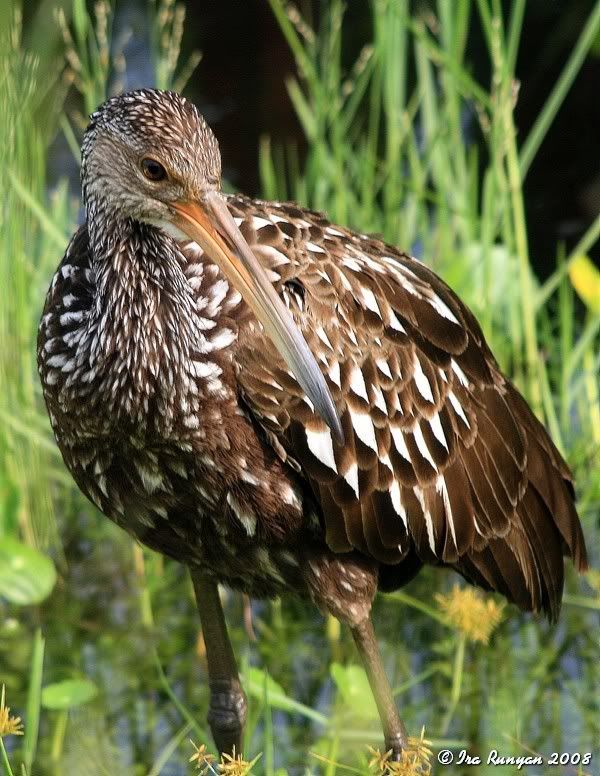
(210,224)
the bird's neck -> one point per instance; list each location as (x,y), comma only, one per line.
(145,326)
(141,291)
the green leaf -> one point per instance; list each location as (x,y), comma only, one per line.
(257,678)
(34,699)
(355,690)
(27,576)
(259,684)
(68,694)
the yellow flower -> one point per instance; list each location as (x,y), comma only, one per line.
(202,758)
(379,762)
(233,765)
(9,726)
(414,760)
(470,613)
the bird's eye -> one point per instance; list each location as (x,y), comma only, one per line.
(153,170)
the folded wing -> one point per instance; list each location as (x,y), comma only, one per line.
(442,456)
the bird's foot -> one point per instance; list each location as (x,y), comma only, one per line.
(227,713)
(396,742)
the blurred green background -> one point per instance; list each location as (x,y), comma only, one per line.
(466,131)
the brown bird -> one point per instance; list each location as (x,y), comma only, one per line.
(283,404)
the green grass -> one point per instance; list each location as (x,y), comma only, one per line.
(382,156)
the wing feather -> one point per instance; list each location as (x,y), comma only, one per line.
(443,458)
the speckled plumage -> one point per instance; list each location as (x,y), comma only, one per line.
(179,419)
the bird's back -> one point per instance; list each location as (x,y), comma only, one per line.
(443,461)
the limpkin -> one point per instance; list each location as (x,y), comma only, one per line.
(283,404)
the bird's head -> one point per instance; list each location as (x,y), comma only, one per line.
(149,156)
(146,152)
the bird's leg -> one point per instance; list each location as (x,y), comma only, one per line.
(227,706)
(393,727)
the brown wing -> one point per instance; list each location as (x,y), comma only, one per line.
(442,454)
